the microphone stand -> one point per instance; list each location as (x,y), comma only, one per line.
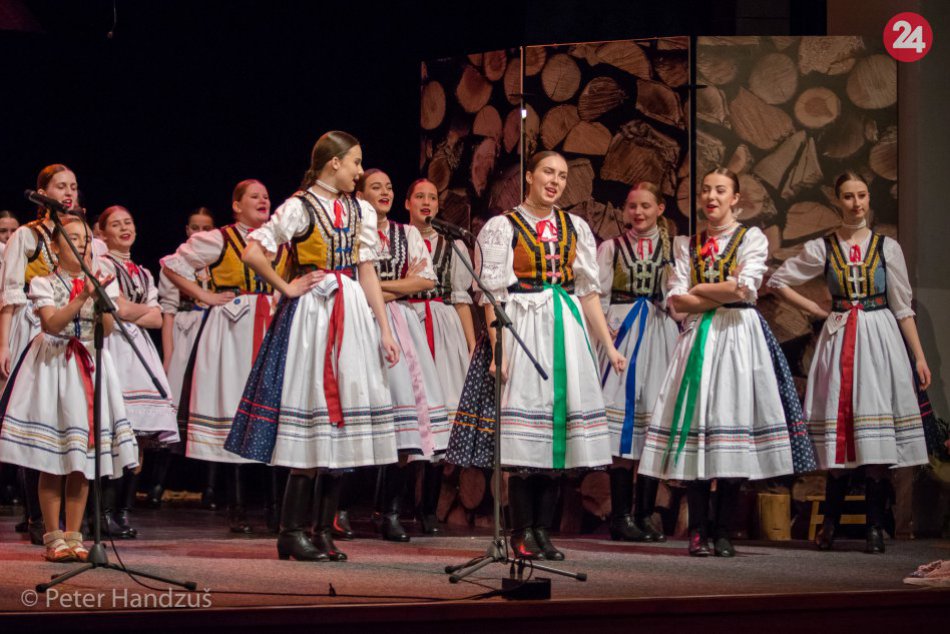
(97,554)
(497,551)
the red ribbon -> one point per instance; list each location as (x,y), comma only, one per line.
(331,387)
(383,239)
(86,368)
(338,214)
(640,242)
(132,268)
(262,319)
(78,285)
(844,427)
(710,249)
(856,253)
(546,230)
(428,244)
(430,327)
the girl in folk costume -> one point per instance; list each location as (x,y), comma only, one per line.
(860,403)
(182,317)
(727,409)
(634,270)
(421,422)
(317,399)
(446,313)
(151,414)
(28,254)
(48,404)
(239,313)
(542,262)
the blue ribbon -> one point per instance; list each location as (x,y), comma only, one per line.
(640,310)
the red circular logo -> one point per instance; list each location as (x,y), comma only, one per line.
(908,37)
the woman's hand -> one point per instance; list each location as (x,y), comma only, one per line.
(4,361)
(216,299)
(923,373)
(88,290)
(416,266)
(504,370)
(390,349)
(617,360)
(304,283)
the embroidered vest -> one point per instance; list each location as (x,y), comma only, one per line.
(133,282)
(537,262)
(42,261)
(229,273)
(324,246)
(721,265)
(634,277)
(441,251)
(394,261)
(863,282)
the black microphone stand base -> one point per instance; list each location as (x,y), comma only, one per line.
(98,559)
(497,553)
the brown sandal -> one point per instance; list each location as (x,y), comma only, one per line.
(56,549)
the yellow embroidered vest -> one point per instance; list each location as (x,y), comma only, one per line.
(229,273)
(534,264)
(324,245)
(42,261)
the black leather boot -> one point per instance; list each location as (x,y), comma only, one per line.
(644,505)
(109,494)
(393,484)
(324,507)
(31,501)
(836,488)
(431,489)
(521,512)
(295,517)
(697,499)
(727,499)
(622,526)
(545,505)
(208,499)
(237,515)
(130,482)
(272,504)
(160,460)
(341,521)
(875,496)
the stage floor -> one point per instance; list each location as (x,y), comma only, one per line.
(237,571)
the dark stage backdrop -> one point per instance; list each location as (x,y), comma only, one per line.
(189,97)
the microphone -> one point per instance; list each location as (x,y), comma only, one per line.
(45,201)
(448,229)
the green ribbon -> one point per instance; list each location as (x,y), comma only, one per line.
(560,371)
(685,407)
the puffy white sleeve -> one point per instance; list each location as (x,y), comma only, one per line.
(900,295)
(494,258)
(679,280)
(151,292)
(369,237)
(461,279)
(750,262)
(808,264)
(106,267)
(41,292)
(290,219)
(200,251)
(99,247)
(605,265)
(586,271)
(169,297)
(15,257)
(417,250)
